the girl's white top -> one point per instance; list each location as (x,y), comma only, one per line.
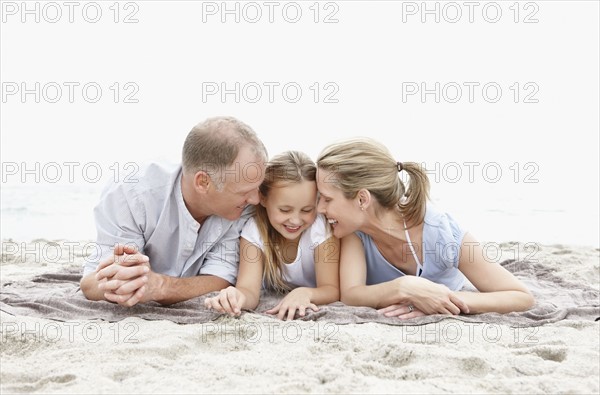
(300,272)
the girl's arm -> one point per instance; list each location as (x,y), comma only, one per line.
(327,270)
(426,296)
(327,259)
(499,290)
(246,293)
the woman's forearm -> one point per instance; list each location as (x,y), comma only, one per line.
(376,296)
(497,302)
(423,294)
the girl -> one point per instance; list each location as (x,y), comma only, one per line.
(398,253)
(286,245)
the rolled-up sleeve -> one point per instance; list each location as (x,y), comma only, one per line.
(223,259)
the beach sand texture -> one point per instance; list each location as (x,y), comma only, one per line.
(254,354)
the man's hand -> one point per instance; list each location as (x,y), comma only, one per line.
(124,276)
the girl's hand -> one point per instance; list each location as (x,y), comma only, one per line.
(298,299)
(402,311)
(230,301)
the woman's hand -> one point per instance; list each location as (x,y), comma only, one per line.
(230,301)
(297,299)
(429,297)
(402,311)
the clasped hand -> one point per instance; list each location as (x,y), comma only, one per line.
(424,297)
(124,276)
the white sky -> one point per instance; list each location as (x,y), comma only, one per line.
(178,50)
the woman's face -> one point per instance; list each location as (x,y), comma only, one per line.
(343,214)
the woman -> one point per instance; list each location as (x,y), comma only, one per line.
(400,254)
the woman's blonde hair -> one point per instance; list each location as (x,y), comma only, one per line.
(363,163)
(287,167)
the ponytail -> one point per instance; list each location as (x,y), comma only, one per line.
(415,199)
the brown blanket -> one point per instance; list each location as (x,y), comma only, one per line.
(57,296)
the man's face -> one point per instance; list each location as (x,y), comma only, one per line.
(240,187)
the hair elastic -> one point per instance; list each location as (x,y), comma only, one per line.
(400,167)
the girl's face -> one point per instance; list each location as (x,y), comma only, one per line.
(343,214)
(291,207)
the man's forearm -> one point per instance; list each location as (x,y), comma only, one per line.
(168,290)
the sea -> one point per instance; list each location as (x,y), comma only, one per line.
(492,213)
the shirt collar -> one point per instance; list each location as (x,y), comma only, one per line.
(181,203)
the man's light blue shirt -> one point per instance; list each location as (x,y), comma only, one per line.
(151,214)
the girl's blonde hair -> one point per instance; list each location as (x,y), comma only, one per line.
(287,167)
(363,163)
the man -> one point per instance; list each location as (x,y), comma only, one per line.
(174,234)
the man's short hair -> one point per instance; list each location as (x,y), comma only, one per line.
(213,145)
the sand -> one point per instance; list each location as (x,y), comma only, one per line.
(254,354)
